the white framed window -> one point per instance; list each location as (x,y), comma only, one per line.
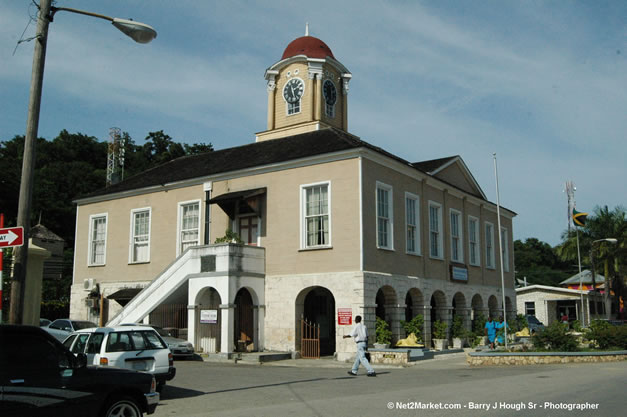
(139,250)
(435,230)
(489,245)
(97,239)
(385,220)
(412,223)
(505,250)
(473,241)
(293,108)
(188,225)
(316,215)
(457,235)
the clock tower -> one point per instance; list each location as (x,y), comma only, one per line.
(307,90)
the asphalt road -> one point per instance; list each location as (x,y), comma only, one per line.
(438,387)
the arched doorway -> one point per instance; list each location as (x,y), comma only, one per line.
(319,308)
(244,322)
(438,304)
(208,321)
(493,307)
(477,310)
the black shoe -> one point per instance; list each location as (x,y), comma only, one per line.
(351,373)
(372,374)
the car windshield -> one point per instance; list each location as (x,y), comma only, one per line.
(533,320)
(162,333)
(78,325)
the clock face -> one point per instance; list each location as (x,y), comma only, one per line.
(293,90)
(330,92)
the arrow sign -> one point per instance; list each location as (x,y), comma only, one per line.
(13,236)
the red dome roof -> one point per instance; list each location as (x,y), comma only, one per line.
(309,46)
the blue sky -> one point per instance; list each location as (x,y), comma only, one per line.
(541,83)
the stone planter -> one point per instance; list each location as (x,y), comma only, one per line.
(381,345)
(458,343)
(440,344)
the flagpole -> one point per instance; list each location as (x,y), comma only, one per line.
(498,215)
(583,311)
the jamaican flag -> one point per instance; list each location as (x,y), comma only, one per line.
(579,218)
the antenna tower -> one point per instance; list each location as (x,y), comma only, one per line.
(115,157)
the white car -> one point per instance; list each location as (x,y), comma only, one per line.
(61,328)
(139,348)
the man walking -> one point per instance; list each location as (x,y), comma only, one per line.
(360,335)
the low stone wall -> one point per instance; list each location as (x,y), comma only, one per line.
(536,358)
(389,357)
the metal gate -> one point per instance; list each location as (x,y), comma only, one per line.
(310,339)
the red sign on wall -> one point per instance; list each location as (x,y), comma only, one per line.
(344,316)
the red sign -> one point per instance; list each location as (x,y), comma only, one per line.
(344,316)
(12,236)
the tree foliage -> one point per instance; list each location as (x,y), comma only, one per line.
(610,259)
(539,263)
(71,165)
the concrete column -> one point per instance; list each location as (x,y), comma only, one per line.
(426,331)
(192,319)
(228,328)
(32,288)
(259,313)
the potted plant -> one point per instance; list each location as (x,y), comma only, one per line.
(439,335)
(458,332)
(383,334)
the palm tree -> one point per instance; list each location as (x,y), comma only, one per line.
(603,224)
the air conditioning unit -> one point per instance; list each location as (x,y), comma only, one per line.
(90,302)
(89,284)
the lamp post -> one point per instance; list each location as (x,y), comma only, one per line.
(607,299)
(139,32)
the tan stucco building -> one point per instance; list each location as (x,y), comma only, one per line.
(329,223)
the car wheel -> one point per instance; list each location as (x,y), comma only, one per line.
(122,406)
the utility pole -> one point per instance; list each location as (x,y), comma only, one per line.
(28,163)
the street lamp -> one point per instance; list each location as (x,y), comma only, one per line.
(139,32)
(608,307)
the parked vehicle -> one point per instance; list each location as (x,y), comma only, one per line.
(139,348)
(61,328)
(534,324)
(180,348)
(40,377)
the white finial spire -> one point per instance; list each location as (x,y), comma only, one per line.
(307,29)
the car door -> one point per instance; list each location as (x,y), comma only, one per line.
(33,374)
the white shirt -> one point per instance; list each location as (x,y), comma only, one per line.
(360,333)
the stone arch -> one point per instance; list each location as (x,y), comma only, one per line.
(477,309)
(208,320)
(493,306)
(385,298)
(509,308)
(316,304)
(439,310)
(461,309)
(414,303)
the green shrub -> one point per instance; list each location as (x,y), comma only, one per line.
(383,332)
(519,323)
(53,310)
(478,324)
(576,325)
(414,326)
(555,338)
(457,328)
(229,237)
(439,329)
(606,336)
